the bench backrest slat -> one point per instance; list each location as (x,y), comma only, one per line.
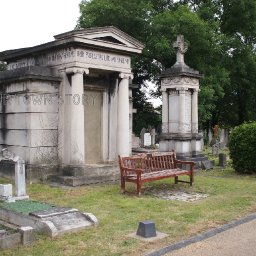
(149,162)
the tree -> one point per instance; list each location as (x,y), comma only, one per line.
(238,21)
(237,24)
(221,47)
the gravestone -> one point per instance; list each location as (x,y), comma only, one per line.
(135,141)
(222,160)
(147,139)
(143,131)
(5,191)
(215,148)
(153,136)
(20,180)
(207,164)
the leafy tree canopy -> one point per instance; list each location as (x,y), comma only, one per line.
(221,36)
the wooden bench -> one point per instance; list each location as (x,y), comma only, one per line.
(149,167)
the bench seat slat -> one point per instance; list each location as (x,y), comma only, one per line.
(159,174)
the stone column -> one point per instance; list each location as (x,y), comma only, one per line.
(165,115)
(182,109)
(64,115)
(77,143)
(195,111)
(123,147)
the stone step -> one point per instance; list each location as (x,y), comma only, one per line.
(83,180)
(93,169)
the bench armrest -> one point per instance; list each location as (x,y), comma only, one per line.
(185,162)
(137,171)
(192,164)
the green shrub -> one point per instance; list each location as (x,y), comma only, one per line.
(242,146)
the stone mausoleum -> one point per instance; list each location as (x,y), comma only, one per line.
(66,105)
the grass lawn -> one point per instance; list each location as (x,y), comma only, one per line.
(230,197)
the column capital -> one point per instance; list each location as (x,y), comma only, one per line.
(126,75)
(77,70)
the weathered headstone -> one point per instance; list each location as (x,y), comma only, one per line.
(222,160)
(215,149)
(143,131)
(207,165)
(5,191)
(147,139)
(135,141)
(20,182)
(153,136)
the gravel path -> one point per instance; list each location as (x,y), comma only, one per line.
(237,241)
(236,238)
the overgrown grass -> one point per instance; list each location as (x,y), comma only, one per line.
(230,197)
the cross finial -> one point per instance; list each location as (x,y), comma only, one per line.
(181,47)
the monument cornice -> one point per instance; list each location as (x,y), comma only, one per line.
(29,73)
(180,82)
(86,38)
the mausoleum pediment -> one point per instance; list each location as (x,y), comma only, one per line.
(107,37)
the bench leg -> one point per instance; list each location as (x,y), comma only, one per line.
(191,179)
(176,179)
(123,185)
(138,189)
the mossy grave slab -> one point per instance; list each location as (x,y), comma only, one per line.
(45,218)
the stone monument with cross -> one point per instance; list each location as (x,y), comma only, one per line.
(180,87)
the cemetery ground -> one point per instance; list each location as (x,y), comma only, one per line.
(230,196)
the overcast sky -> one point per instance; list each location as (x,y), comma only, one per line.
(25,23)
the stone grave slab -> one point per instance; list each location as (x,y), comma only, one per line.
(52,212)
(51,220)
(63,219)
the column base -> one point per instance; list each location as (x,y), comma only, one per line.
(185,145)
